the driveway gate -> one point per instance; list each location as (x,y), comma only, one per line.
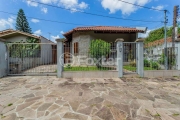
(32,58)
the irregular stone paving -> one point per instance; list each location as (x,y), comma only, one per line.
(50,98)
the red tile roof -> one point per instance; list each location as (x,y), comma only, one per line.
(159,42)
(11,31)
(103,29)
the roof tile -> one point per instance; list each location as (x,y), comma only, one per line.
(104,28)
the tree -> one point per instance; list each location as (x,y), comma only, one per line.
(22,23)
(20,50)
(159,34)
(99,48)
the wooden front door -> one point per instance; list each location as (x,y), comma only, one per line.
(67,51)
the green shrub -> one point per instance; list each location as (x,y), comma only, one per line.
(133,64)
(154,65)
(171,59)
(68,66)
(99,48)
(147,63)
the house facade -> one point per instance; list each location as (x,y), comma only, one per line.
(79,38)
(154,51)
(44,52)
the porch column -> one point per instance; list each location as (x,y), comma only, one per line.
(140,57)
(60,57)
(178,54)
(119,47)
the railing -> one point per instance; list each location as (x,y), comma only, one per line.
(90,56)
(32,58)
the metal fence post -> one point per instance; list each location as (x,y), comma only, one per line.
(60,57)
(178,54)
(140,57)
(120,56)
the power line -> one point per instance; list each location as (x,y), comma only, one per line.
(46,19)
(54,21)
(100,15)
(141,6)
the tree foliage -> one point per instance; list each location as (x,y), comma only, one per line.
(20,50)
(159,34)
(22,23)
(99,48)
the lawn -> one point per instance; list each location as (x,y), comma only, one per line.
(130,68)
(94,68)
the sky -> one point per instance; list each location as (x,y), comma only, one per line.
(70,14)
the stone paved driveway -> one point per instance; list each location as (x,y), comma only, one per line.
(50,98)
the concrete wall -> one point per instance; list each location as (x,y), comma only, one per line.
(154,53)
(91,74)
(83,45)
(3,60)
(157,51)
(114,74)
(161,73)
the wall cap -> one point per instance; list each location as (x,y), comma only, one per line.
(140,40)
(119,40)
(59,40)
(177,40)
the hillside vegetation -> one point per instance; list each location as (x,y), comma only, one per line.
(159,34)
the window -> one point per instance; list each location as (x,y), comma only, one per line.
(76,51)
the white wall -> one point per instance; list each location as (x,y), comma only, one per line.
(20,38)
(3,60)
(46,51)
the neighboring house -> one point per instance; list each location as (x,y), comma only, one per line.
(80,37)
(45,51)
(154,50)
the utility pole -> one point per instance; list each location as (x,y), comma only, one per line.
(165,39)
(176,9)
(175,29)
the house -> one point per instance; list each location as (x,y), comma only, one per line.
(154,50)
(44,54)
(78,39)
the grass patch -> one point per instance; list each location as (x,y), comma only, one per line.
(2,116)
(157,115)
(109,106)
(93,105)
(175,114)
(93,68)
(131,68)
(10,104)
(147,111)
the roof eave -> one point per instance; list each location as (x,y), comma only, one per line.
(26,34)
